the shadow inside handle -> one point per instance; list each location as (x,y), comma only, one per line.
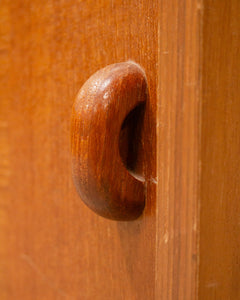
(131,142)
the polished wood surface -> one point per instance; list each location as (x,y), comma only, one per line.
(185,245)
(102,108)
(219,276)
(178,140)
(52,246)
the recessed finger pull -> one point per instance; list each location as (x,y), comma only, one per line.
(101,171)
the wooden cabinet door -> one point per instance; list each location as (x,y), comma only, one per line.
(186,243)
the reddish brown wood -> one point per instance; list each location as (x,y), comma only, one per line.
(101,178)
(178,138)
(219,250)
(51,245)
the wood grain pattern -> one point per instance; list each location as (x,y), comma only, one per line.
(178,141)
(219,273)
(102,107)
(53,246)
(5,151)
(186,243)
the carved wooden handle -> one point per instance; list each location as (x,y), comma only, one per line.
(100,175)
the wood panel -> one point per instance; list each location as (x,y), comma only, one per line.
(53,247)
(219,275)
(178,140)
(5,171)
